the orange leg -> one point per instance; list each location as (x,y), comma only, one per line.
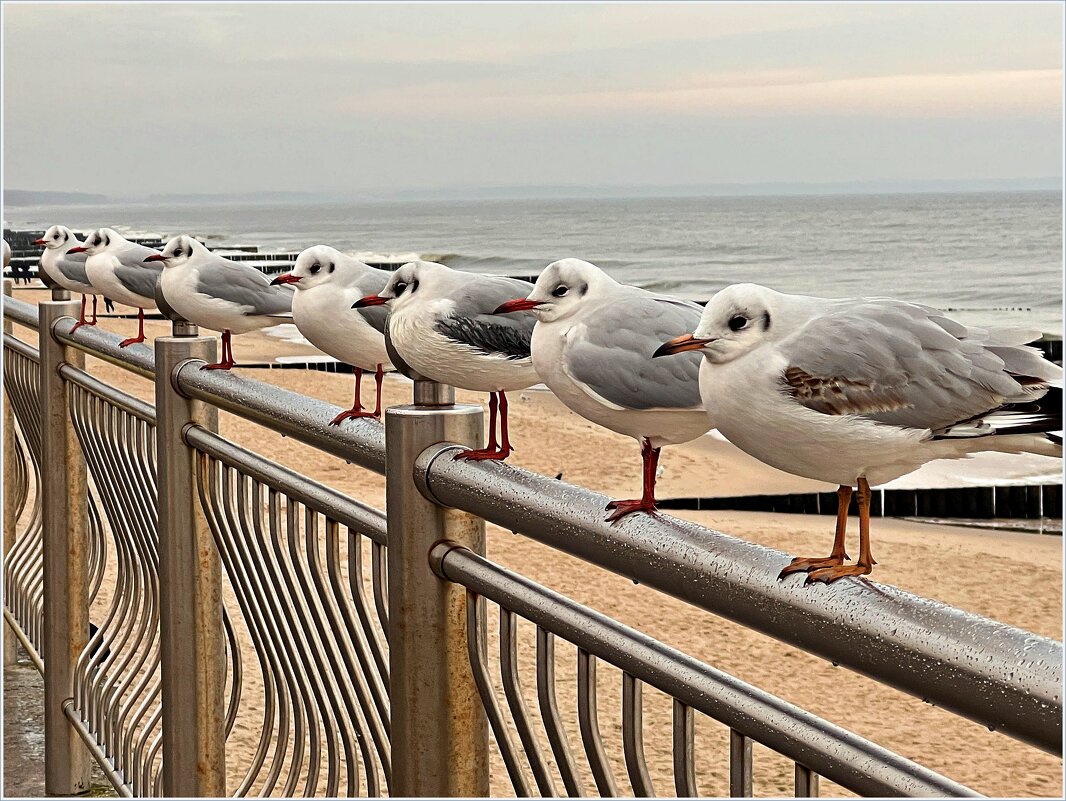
(140,332)
(804,564)
(646,503)
(227,362)
(357,407)
(492,452)
(866,560)
(81,318)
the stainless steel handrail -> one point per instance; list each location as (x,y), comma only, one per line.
(1003,677)
(20,312)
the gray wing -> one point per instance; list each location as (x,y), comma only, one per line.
(371,283)
(139,278)
(245,286)
(473,323)
(612,354)
(133,255)
(72,265)
(906,365)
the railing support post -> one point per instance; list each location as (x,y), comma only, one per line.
(10,643)
(439,728)
(66,566)
(192,645)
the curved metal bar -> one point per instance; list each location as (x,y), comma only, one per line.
(831,751)
(477,650)
(684,736)
(549,712)
(20,312)
(1005,678)
(513,692)
(633,737)
(588,723)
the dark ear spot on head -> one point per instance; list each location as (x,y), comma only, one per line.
(584,289)
(107,241)
(332,267)
(766,321)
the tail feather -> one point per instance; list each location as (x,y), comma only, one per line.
(1042,415)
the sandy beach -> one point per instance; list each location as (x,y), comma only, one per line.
(1015,578)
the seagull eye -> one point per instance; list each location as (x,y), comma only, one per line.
(177,251)
(737,322)
(559,291)
(399,288)
(56,236)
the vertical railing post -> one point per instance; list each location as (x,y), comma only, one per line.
(66,566)
(439,730)
(10,643)
(192,645)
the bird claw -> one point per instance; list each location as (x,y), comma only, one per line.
(131,341)
(624,508)
(805,565)
(219,366)
(352,414)
(830,574)
(483,455)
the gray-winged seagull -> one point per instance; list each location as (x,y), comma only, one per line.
(116,268)
(68,269)
(864,390)
(593,345)
(327,283)
(442,324)
(219,294)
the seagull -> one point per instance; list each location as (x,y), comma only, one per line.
(864,390)
(442,325)
(327,282)
(592,346)
(115,267)
(67,270)
(217,293)
(7,255)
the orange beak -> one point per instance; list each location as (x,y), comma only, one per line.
(370,300)
(287,278)
(76,249)
(680,345)
(38,241)
(156,257)
(522,304)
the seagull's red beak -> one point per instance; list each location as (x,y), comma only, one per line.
(40,241)
(156,257)
(287,278)
(522,304)
(370,300)
(77,249)
(680,345)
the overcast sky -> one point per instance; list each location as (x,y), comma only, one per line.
(132,99)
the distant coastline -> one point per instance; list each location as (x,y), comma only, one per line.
(29,197)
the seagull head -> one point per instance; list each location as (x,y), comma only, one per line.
(737,320)
(412,281)
(57,237)
(315,266)
(98,241)
(561,289)
(179,251)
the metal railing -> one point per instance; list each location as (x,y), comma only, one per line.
(232,594)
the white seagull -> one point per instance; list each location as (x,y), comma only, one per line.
(68,269)
(217,293)
(116,268)
(327,283)
(593,346)
(442,324)
(864,390)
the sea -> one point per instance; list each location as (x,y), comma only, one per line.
(988,258)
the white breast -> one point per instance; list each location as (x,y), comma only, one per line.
(325,317)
